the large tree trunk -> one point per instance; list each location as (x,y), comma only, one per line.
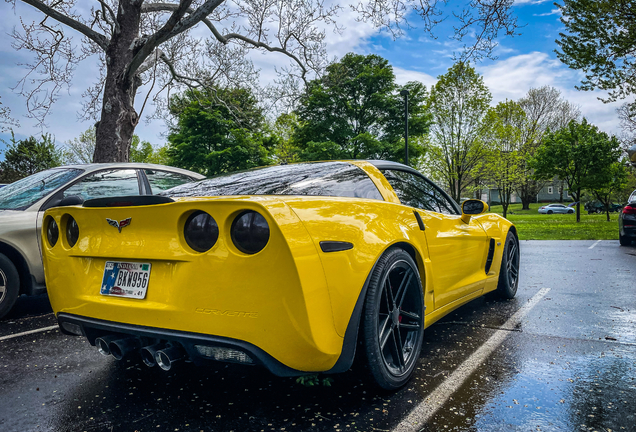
(118,120)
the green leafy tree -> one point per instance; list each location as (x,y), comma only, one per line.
(600,42)
(80,150)
(143,151)
(608,184)
(501,165)
(545,110)
(579,154)
(28,156)
(284,128)
(458,102)
(218,132)
(355,112)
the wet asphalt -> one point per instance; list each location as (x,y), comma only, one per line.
(568,365)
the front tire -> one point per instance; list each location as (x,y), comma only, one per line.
(509,271)
(570,211)
(393,320)
(9,285)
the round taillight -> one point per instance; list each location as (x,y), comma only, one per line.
(52,231)
(72,231)
(250,232)
(201,231)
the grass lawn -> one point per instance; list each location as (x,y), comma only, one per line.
(531,225)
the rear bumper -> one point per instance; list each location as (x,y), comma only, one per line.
(94,328)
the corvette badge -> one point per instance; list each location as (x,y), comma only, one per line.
(119,225)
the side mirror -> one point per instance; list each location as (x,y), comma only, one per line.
(473,207)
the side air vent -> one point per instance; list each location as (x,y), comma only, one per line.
(127,201)
(491,253)
(335,246)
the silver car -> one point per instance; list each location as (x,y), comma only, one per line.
(22,205)
(555,208)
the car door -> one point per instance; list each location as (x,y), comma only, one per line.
(96,184)
(457,249)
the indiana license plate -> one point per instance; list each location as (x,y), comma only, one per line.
(125,279)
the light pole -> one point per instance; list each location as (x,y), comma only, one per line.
(405,93)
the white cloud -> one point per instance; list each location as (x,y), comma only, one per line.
(513,77)
(402,76)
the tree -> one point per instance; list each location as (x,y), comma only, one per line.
(80,150)
(545,110)
(600,42)
(28,156)
(608,184)
(284,128)
(217,133)
(501,164)
(580,154)
(458,102)
(159,44)
(6,121)
(143,151)
(355,112)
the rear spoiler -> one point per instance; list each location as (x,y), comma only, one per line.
(127,201)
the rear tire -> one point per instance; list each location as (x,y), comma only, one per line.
(624,240)
(393,320)
(550,212)
(9,285)
(509,271)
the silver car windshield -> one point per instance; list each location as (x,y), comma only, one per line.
(26,192)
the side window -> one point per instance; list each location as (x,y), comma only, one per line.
(106,184)
(164,180)
(415,191)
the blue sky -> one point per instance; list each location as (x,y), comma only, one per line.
(522,62)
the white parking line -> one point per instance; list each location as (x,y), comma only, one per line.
(422,413)
(597,242)
(28,332)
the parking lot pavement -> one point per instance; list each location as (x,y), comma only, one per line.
(560,356)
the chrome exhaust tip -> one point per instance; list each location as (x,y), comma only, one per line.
(120,348)
(167,356)
(149,353)
(103,344)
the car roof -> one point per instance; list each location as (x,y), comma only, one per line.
(133,165)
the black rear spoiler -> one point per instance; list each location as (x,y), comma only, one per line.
(127,201)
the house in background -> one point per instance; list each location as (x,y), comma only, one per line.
(554,191)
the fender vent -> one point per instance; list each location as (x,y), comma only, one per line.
(491,253)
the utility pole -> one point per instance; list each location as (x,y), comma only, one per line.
(405,93)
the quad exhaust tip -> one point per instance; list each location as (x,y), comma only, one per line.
(167,356)
(149,353)
(120,348)
(103,344)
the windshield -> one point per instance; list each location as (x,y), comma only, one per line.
(26,192)
(338,179)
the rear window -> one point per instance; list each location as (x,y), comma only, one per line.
(338,179)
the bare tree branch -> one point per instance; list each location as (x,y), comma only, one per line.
(96,37)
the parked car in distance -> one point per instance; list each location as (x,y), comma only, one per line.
(627,222)
(555,208)
(599,207)
(296,268)
(23,203)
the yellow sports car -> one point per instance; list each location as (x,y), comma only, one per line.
(297,268)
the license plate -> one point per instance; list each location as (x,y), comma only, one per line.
(125,279)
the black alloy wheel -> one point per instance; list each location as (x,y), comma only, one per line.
(509,271)
(393,324)
(9,285)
